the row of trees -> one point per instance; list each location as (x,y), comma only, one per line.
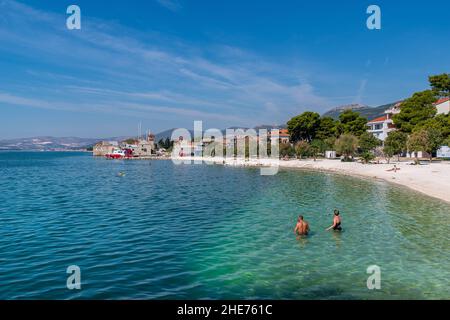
(419,129)
(165,143)
(310,126)
(312,134)
(346,144)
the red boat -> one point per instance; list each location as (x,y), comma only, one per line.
(120,154)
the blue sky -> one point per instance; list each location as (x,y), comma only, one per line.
(166,63)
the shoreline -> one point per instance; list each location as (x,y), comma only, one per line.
(430,179)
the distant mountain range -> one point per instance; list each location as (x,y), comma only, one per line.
(365,111)
(47,143)
(51,143)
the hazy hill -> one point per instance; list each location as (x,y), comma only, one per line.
(47,143)
(366,111)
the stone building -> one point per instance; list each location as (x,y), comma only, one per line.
(103,148)
(141,147)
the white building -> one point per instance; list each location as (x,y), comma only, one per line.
(443,152)
(330,154)
(380,127)
(443,106)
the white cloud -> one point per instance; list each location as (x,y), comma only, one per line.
(137,73)
(120,108)
(172,5)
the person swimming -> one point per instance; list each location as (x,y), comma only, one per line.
(302,227)
(336,222)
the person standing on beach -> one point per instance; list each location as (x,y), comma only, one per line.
(302,227)
(336,222)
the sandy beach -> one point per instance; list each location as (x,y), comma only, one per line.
(432,180)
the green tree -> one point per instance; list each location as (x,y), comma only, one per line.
(440,84)
(389,152)
(367,156)
(415,110)
(161,143)
(168,143)
(327,128)
(425,139)
(286,150)
(446,142)
(304,126)
(440,122)
(346,145)
(395,144)
(330,143)
(352,123)
(303,149)
(130,141)
(416,142)
(368,142)
(318,147)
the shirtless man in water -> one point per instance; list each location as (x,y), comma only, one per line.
(302,227)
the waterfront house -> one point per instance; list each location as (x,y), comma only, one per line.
(381,126)
(284,136)
(443,106)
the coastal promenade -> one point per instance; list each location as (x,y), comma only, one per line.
(432,180)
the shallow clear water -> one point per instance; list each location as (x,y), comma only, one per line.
(200,231)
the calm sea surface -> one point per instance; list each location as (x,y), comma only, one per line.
(205,232)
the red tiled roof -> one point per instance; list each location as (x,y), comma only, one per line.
(281,132)
(442,100)
(284,133)
(380,119)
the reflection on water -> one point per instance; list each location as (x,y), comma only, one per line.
(337,237)
(161,231)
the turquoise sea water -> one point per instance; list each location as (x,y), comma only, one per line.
(204,232)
